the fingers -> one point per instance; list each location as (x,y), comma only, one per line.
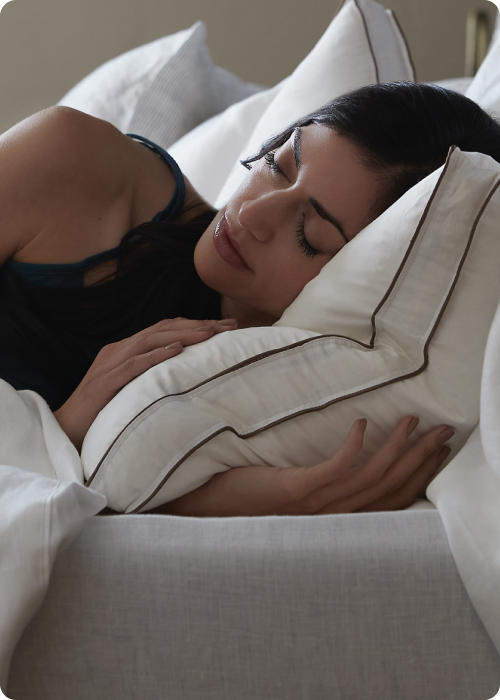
(226,324)
(391,477)
(414,487)
(186,331)
(315,483)
(180,323)
(390,450)
(160,336)
(401,481)
(157,344)
(414,457)
(339,483)
(118,363)
(134,366)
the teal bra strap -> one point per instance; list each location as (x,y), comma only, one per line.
(174,207)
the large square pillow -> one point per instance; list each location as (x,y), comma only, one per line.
(395,324)
(362,45)
(160,90)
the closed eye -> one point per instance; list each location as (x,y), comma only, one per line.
(270,159)
(302,241)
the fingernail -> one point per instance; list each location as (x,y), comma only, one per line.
(444,435)
(412,424)
(174,346)
(363,423)
(203,329)
(227,322)
(443,453)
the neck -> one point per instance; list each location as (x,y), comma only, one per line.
(247,316)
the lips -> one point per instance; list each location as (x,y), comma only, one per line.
(227,247)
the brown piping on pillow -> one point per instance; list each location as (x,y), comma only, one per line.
(371,346)
(270,353)
(460,266)
(370,45)
(411,244)
(403,36)
(226,372)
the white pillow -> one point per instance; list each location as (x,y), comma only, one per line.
(389,327)
(460,85)
(485,87)
(160,90)
(207,154)
(362,45)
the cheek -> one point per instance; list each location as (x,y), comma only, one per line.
(289,281)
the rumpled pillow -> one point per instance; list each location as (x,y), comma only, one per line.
(362,45)
(389,327)
(160,90)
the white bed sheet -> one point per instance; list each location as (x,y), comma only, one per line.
(43,505)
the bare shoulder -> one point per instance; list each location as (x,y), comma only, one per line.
(71,186)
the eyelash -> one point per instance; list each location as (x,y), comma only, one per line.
(303,243)
(271,162)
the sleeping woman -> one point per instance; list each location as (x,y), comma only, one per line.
(100,281)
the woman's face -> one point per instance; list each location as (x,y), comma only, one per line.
(294,211)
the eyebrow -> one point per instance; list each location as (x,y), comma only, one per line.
(297,151)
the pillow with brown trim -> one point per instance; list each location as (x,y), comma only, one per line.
(396,323)
(362,45)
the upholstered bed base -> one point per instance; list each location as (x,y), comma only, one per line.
(346,607)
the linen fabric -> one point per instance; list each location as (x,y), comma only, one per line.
(338,606)
(160,90)
(43,504)
(38,518)
(388,328)
(362,45)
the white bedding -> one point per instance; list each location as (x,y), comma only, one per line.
(43,505)
(467,495)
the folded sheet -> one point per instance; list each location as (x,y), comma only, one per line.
(43,505)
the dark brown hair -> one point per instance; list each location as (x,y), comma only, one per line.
(403,131)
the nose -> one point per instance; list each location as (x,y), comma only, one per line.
(263,215)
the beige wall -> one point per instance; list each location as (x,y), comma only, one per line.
(46,46)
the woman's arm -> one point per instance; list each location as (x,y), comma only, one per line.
(118,363)
(391,480)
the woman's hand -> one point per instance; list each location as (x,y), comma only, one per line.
(118,363)
(391,480)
